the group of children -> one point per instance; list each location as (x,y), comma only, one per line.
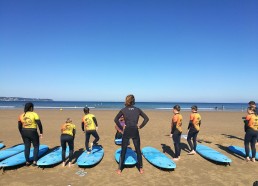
(29,121)
(127,128)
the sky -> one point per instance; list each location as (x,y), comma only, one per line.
(103,50)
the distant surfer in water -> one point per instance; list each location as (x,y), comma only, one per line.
(193,129)
(90,127)
(251,132)
(176,130)
(28,123)
(67,136)
(131,130)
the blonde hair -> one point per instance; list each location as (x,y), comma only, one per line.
(129,100)
(68,120)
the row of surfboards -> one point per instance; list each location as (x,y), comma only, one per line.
(14,156)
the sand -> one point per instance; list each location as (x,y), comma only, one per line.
(218,130)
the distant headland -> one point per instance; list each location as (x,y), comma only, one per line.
(22,99)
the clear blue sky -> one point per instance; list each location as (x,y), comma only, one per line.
(102,50)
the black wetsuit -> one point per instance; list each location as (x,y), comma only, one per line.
(30,135)
(66,138)
(88,133)
(131,115)
(192,135)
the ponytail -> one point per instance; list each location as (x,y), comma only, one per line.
(28,107)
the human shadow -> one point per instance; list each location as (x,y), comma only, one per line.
(228,151)
(184,147)
(202,140)
(77,154)
(232,137)
(167,149)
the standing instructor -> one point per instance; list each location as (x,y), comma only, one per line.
(131,130)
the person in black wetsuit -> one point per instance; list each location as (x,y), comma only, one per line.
(67,136)
(131,130)
(28,123)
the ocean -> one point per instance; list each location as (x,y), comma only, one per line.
(98,105)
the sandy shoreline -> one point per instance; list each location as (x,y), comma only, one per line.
(218,130)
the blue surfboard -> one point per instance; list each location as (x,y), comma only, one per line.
(130,156)
(241,151)
(6,153)
(91,159)
(212,154)
(2,145)
(157,158)
(19,159)
(53,157)
(118,141)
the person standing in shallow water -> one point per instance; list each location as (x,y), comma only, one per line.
(193,129)
(67,136)
(131,130)
(176,131)
(28,122)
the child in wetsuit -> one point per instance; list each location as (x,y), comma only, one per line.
(28,123)
(251,132)
(194,128)
(90,127)
(176,130)
(67,136)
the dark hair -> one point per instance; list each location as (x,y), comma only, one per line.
(194,107)
(177,107)
(129,100)
(251,109)
(251,103)
(28,106)
(255,183)
(86,110)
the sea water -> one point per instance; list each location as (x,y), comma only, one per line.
(98,105)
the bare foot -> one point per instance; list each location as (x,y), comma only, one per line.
(247,159)
(118,171)
(91,145)
(253,160)
(63,164)
(141,171)
(70,164)
(176,159)
(192,152)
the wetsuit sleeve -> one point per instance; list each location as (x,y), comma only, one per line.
(173,128)
(116,120)
(95,121)
(74,132)
(40,126)
(82,126)
(246,121)
(189,125)
(145,119)
(20,126)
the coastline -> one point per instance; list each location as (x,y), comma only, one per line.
(218,130)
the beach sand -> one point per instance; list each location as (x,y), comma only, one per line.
(218,130)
